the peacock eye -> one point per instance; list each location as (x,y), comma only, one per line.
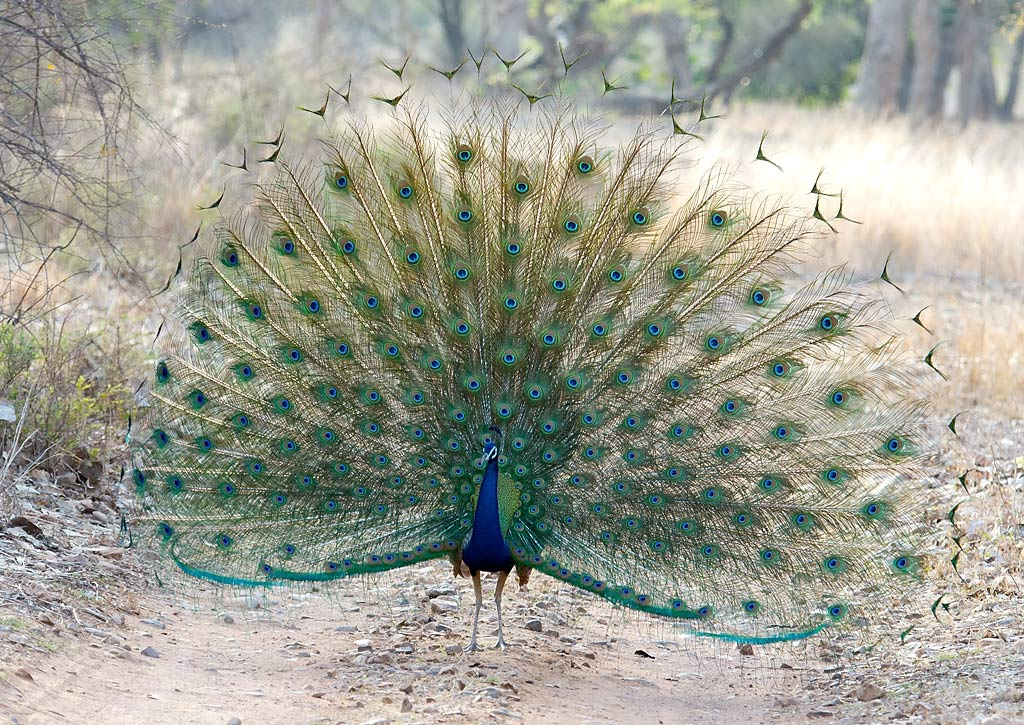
(828,322)
(464,153)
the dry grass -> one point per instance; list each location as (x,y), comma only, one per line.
(946,202)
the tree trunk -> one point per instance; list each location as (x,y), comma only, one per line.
(506,35)
(673,29)
(762,55)
(947,54)
(975,26)
(728,31)
(450,14)
(1006,109)
(885,49)
(927,25)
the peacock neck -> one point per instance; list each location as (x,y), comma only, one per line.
(487,550)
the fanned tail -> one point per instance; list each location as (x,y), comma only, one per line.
(679,432)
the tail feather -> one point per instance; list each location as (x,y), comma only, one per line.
(683,435)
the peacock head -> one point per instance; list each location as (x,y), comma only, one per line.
(491,444)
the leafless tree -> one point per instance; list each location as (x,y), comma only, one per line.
(65,111)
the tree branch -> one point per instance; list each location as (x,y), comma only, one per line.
(756,60)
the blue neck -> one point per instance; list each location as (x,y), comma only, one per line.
(487,550)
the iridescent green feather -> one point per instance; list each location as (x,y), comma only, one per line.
(680,433)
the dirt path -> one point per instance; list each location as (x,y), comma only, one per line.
(215,665)
(393,654)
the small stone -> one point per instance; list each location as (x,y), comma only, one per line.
(869,691)
(643,682)
(383,658)
(440,590)
(227,619)
(535,625)
(150,652)
(406,705)
(363,645)
(556,619)
(443,604)
(452,649)
(154,623)
(346,628)
(24,674)
(235,721)
(747,649)
(578,649)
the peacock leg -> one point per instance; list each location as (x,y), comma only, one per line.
(476,614)
(502,575)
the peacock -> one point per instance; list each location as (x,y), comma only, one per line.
(481,332)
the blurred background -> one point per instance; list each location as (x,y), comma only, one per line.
(118,120)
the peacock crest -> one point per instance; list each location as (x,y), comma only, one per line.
(499,330)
